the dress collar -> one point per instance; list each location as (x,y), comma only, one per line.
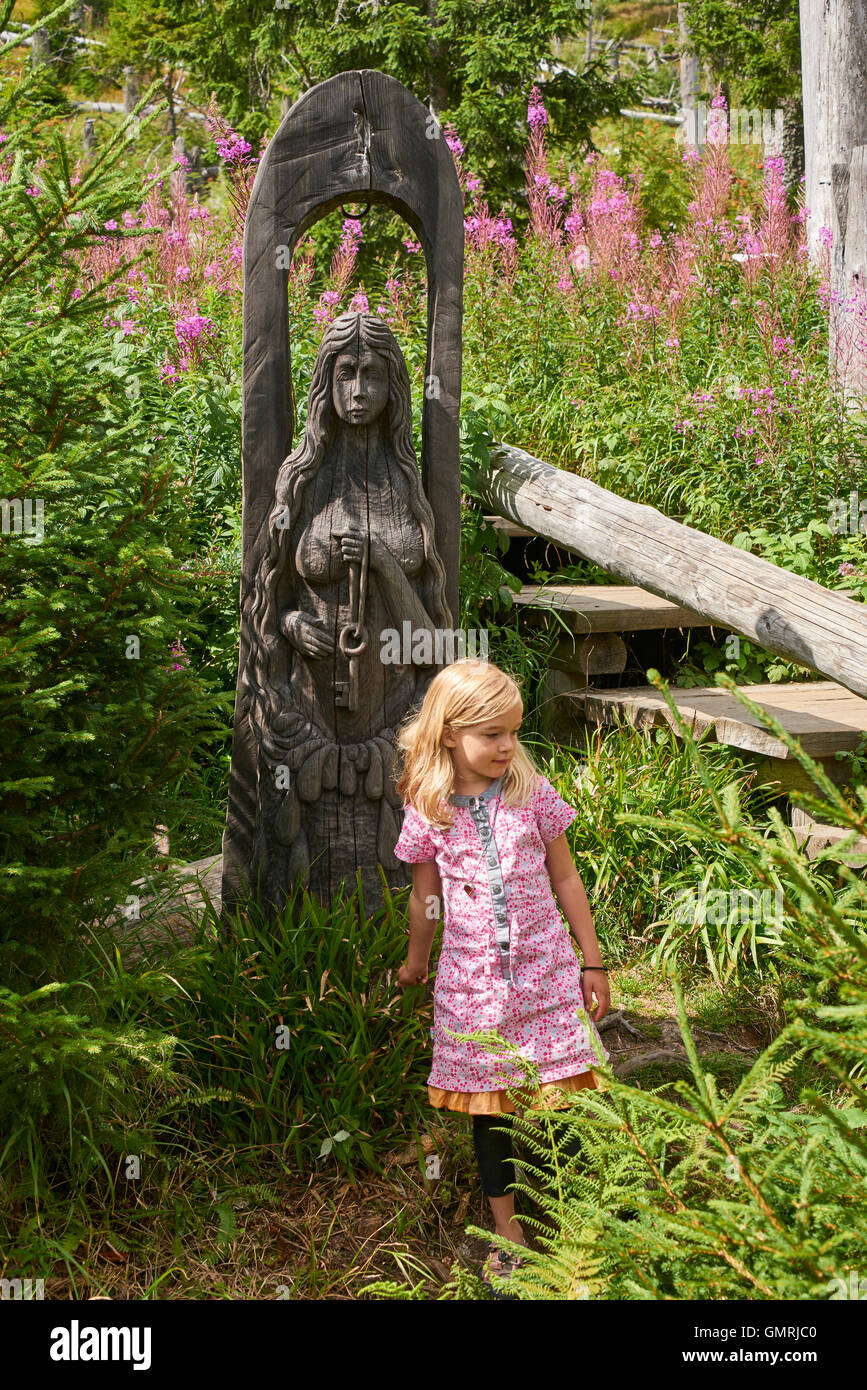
(492,790)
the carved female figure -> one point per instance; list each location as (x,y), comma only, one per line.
(351,554)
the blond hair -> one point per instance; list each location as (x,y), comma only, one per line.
(463,693)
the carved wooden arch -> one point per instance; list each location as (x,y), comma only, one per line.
(358,137)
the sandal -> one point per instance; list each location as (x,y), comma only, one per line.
(501,1265)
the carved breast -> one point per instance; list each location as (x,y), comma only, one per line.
(382,512)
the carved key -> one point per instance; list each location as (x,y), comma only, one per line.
(353,637)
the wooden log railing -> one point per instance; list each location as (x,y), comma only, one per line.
(783,612)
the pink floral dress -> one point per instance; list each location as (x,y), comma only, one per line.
(507,960)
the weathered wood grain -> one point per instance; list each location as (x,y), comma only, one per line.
(786,614)
(823,717)
(359,137)
(608,607)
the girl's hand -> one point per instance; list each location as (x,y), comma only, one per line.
(411,974)
(595,982)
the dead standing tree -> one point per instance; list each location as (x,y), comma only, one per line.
(342,538)
(834,73)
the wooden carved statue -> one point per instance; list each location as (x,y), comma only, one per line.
(351,555)
(344,539)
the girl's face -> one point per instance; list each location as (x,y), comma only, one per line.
(485,750)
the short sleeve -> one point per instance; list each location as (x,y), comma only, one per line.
(415,843)
(553,814)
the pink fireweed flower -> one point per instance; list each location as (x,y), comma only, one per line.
(129,326)
(359,303)
(179,654)
(193,332)
(453,141)
(110,226)
(189,328)
(574,224)
(825,236)
(233,148)
(474,184)
(324,309)
(536,114)
(412,246)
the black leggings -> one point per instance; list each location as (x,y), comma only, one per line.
(494,1152)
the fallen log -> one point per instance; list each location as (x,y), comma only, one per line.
(786,614)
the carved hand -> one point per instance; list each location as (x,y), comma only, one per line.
(352,549)
(305,635)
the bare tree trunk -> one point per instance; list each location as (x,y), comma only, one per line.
(793,145)
(834,77)
(689,87)
(438,97)
(848,305)
(40,50)
(834,74)
(130,91)
(170,95)
(588,47)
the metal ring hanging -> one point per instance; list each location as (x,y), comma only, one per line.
(357,216)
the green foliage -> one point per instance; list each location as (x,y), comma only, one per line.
(299,1025)
(68,1073)
(694,1190)
(754,45)
(474,62)
(94,720)
(632,795)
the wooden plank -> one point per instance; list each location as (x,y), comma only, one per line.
(610,607)
(508,528)
(816,836)
(833,721)
(817,628)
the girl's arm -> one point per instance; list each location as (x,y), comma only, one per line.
(569,890)
(425,905)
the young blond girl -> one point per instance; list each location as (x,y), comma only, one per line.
(484,831)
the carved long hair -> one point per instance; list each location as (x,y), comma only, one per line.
(269,666)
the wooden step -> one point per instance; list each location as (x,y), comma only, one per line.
(508,528)
(822,715)
(816,837)
(609,607)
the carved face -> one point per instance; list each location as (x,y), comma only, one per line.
(360,385)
